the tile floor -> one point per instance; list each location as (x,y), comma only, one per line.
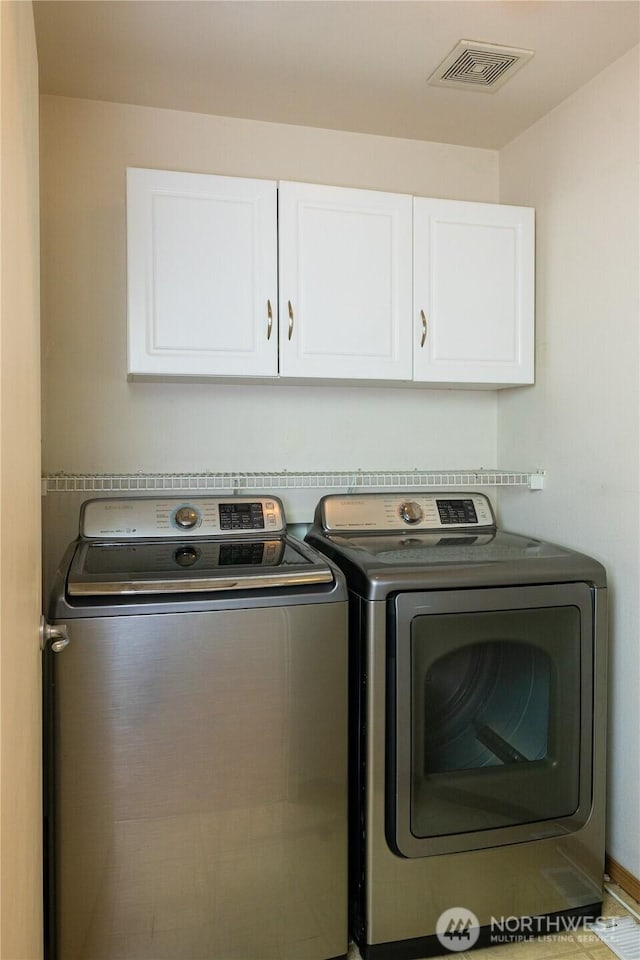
(581,945)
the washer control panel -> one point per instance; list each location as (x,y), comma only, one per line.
(168,517)
(397,511)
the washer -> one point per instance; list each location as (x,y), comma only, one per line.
(477,731)
(196,731)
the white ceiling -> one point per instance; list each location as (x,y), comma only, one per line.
(360,65)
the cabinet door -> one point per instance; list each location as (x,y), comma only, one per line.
(473,293)
(345,283)
(202,271)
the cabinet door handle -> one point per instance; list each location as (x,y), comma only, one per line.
(270,320)
(423,339)
(290,319)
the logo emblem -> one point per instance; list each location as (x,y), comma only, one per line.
(457,929)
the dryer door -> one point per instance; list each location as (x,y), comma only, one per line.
(489,717)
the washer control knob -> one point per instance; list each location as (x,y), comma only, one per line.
(186,518)
(411,512)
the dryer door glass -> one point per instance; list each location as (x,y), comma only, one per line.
(490,738)
(494,733)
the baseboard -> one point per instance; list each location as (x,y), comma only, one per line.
(622,877)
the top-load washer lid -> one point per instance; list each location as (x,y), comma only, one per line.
(389,542)
(191,566)
(169,546)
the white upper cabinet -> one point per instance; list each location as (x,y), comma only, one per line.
(345,283)
(473,266)
(202,275)
(372,286)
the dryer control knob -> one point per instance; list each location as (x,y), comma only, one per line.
(411,512)
(186,517)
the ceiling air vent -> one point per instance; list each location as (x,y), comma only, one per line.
(479,66)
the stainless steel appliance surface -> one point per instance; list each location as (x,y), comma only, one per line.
(477,724)
(195,737)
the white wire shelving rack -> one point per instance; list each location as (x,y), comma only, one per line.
(289,480)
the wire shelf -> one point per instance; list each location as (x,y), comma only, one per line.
(285,480)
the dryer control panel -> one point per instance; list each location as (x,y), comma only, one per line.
(382,512)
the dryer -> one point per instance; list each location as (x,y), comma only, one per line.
(477,730)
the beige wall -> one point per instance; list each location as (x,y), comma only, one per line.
(95,421)
(579,167)
(20,751)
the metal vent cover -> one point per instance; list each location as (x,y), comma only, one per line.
(479,66)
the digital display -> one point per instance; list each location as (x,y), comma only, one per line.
(456,511)
(241,516)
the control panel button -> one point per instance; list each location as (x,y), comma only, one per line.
(411,512)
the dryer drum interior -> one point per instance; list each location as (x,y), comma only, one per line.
(485,705)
